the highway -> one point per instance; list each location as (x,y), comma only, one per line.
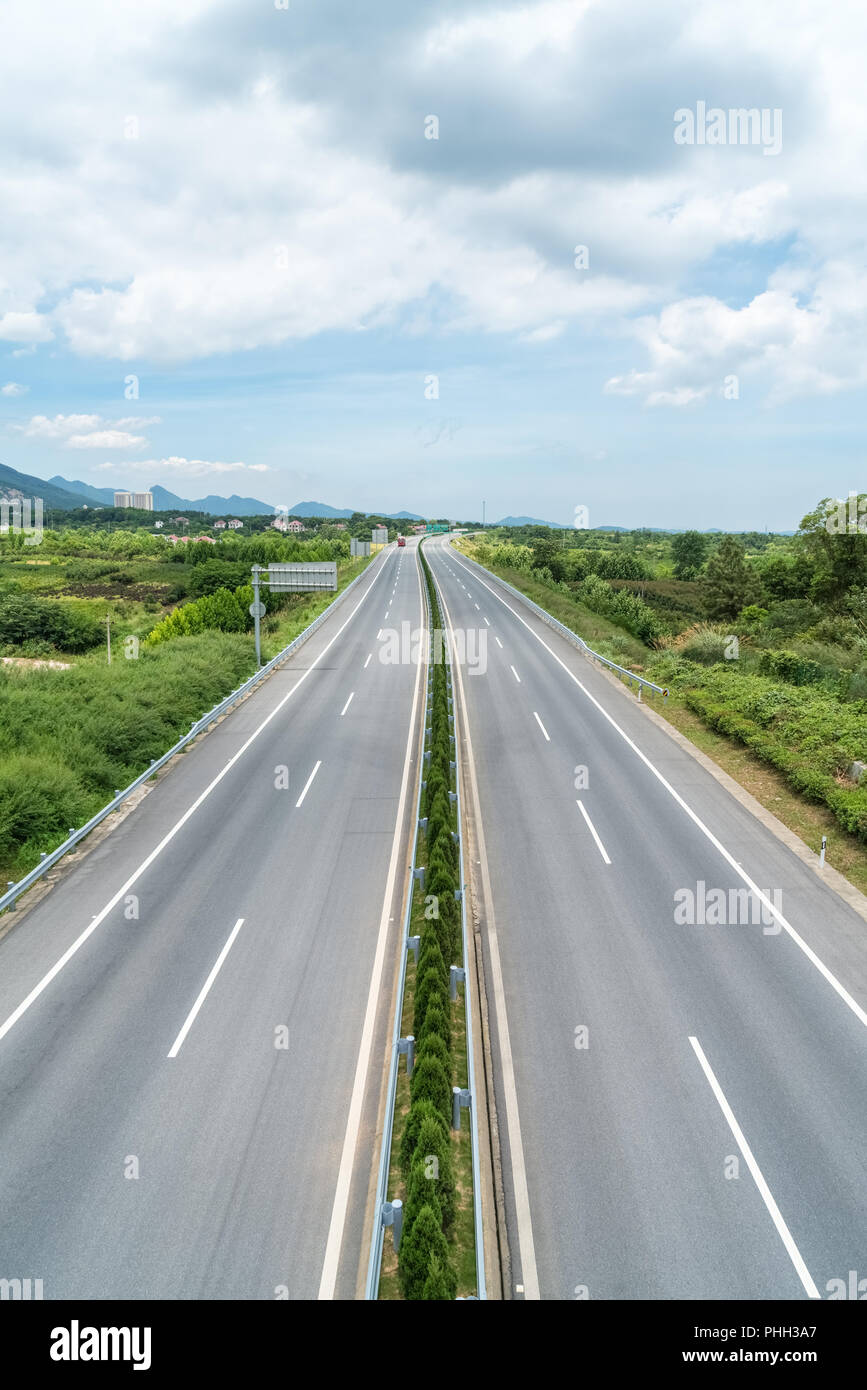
(682,1104)
(193,1021)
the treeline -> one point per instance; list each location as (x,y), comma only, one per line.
(424,1265)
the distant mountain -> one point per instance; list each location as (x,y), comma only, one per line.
(217,506)
(320,509)
(15,484)
(99,496)
(343,513)
(164,501)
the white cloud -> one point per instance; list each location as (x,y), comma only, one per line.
(25,328)
(40,427)
(106,439)
(14,388)
(169,241)
(89,431)
(194,468)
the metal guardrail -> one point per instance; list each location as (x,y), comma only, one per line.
(374,1264)
(568,633)
(48,860)
(481,1290)
(375,1261)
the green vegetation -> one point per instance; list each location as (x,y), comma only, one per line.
(764,638)
(69,738)
(431,1166)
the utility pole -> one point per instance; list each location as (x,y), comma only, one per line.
(108,635)
(483,516)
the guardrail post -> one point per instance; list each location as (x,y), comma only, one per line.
(457,975)
(460,1101)
(412,944)
(418,874)
(824,843)
(422,822)
(406,1048)
(392,1215)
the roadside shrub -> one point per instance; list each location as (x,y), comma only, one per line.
(430,986)
(441,1282)
(56,621)
(430,1081)
(419,1111)
(436,1023)
(792,667)
(39,801)
(423,1239)
(435,1143)
(420,1191)
(433,1045)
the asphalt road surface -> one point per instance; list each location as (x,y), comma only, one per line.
(683,1103)
(188,1104)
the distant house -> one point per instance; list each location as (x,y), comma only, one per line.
(209,539)
(235,524)
(219,525)
(181,520)
(294,524)
(340,525)
(419,530)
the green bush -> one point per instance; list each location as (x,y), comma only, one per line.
(76,735)
(419,1111)
(423,1239)
(55,621)
(441,1282)
(792,667)
(434,1143)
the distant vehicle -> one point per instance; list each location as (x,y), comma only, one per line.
(401,540)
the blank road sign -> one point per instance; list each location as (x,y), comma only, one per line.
(301,578)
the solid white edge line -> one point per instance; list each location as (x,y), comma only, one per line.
(146,863)
(542,727)
(307,784)
(592,828)
(346,706)
(775,912)
(765,1192)
(203,992)
(331,1260)
(515,674)
(520,1189)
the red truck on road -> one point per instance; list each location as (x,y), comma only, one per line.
(401,540)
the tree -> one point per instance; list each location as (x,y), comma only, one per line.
(423,1239)
(430,1081)
(419,1111)
(688,550)
(441,1283)
(834,538)
(730,582)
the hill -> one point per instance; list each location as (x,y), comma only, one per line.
(15,484)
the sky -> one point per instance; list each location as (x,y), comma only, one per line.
(423,257)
